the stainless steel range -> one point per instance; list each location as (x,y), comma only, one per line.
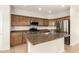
(33,26)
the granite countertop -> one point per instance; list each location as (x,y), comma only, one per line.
(40,37)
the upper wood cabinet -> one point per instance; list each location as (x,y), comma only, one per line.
(39,20)
(46,22)
(52,22)
(33,19)
(19,20)
(24,20)
(60,20)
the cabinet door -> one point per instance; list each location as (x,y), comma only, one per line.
(23,20)
(52,22)
(19,20)
(40,21)
(24,39)
(34,19)
(16,38)
(27,20)
(46,22)
(14,20)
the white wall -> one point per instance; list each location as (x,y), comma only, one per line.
(74,24)
(5,32)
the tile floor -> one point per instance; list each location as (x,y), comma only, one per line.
(17,49)
(23,49)
(72,49)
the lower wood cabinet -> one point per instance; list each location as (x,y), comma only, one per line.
(17,38)
(23,38)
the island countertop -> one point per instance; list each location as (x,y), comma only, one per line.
(38,37)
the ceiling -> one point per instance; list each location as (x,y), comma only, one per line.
(43,9)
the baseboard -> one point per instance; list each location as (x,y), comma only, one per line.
(62,51)
(5,49)
(74,43)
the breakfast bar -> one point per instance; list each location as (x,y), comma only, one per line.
(45,42)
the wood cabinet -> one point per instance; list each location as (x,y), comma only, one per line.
(17,38)
(33,19)
(46,22)
(40,22)
(17,20)
(43,22)
(24,38)
(52,22)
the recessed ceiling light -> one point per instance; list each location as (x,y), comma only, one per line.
(49,11)
(39,9)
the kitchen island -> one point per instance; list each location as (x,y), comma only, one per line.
(47,42)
